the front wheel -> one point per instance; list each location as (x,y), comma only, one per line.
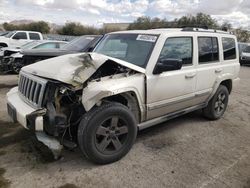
(218,104)
(107,133)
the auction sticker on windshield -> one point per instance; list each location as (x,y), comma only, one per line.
(148,38)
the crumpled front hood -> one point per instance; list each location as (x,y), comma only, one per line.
(74,69)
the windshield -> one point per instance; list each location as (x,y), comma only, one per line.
(133,48)
(78,44)
(247,49)
(4,34)
(10,34)
(30,45)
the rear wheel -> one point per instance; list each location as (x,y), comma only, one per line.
(218,104)
(107,133)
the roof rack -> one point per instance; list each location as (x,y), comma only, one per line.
(204,29)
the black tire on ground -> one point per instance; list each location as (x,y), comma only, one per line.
(16,69)
(217,105)
(107,133)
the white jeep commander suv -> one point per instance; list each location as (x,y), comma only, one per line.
(132,80)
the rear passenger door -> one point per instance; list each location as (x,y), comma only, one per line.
(208,68)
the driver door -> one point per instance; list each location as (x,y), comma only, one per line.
(19,39)
(172,90)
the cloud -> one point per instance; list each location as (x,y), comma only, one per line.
(219,7)
(94,11)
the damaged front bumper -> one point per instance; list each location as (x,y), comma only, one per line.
(21,112)
(32,119)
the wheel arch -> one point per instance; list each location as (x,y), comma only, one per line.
(228,84)
(2,44)
(128,97)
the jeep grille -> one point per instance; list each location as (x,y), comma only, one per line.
(32,89)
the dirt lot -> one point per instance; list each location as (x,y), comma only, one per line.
(185,152)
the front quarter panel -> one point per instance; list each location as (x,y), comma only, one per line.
(110,86)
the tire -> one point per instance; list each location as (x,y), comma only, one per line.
(16,69)
(107,133)
(217,105)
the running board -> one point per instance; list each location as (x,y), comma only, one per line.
(167,117)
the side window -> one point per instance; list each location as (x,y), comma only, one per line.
(229,48)
(20,35)
(46,46)
(34,36)
(208,49)
(178,48)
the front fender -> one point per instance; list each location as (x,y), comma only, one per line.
(96,91)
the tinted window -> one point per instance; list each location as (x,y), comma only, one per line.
(208,49)
(34,36)
(20,35)
(79,44)
(46,46)
(178,48)
(229,48)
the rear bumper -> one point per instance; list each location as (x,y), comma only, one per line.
(28,117)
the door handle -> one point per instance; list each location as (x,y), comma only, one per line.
(218,70)
(191,75)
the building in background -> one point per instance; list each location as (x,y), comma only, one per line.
(116,26)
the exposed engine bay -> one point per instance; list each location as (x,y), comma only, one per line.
(64,102)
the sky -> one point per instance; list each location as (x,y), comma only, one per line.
(97,12)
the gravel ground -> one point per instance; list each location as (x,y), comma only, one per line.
(188,151)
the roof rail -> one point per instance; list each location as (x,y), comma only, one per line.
(193,27)
(196,29)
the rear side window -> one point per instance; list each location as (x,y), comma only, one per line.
(229,48)
(34,36)
(208,49)
(178,48)
(20,35)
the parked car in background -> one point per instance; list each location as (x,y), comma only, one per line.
(81,44)
(39,44)
(11,57)
(131,81)
(19,38)
(242,46)
(245,55)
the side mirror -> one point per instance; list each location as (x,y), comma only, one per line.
(164,65)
